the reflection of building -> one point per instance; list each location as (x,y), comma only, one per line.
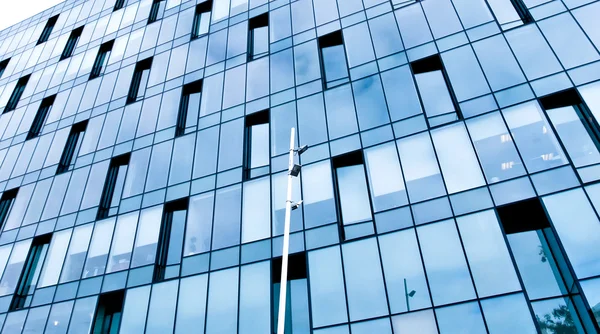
(450,185)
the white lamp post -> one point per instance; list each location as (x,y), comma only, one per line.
(293,170)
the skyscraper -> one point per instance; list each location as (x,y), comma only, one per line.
(451,184)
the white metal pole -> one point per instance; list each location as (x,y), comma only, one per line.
(286,241)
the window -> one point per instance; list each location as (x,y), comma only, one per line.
(139,80)
(113,186)
(170,241)
(258,36)
(296,311)
(542,264)
(71,43)
(40,117)
(333,59)
(17,93)
(354,203)
(189,106)
(257,154)
(202,19)
(118,5)
(575,126)
(510,13)
(72,147)
(156,11)
(102,59)
(47,29)
(108,313)
(31,272)
(3,65)
(6,202)
(434,88)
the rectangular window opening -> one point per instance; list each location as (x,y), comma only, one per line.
(201,23)
(156,11)
(540,260)
(510,13)
(257,145)
(13,101)
(137,89)
(189,105)
(71,43)
(71,150)
(258,36)
(109,312)
(6,202)
(47,29)
(40,117)
(113,186)
(575,125)
(436,92)
(3,65)
(355,213)
(118,5)
(31,272)
(170,242)
(102,59)
(296,310)
(332,54)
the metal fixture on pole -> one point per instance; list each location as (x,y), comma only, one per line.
(293,171)
(407,295)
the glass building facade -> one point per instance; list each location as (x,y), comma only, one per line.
(450,185)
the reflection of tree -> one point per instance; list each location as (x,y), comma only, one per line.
(559,321)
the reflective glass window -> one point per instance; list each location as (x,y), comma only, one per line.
(328,300)
(534,137)
(76,253)
(364,281)
(120,251)
(495,148)
(226,230)
(333,59)
(445,263)
(421,171)
(191,304)
(97,254)
(222,310)
(404,274)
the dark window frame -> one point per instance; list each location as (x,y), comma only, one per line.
(38,251)
(257,22)
(353,158)
(109,312)
(332,39)
(119,4)
(571,98)
(530,215)
(202,8)
(431,64)
(47,31)
(134,87)
(522,11)
(71,43)
(68,154)
(101,59)
(40,117)
(188,89)
(3,66)
(297,270)
(110,182)
(17,93)
(154,9)
(257,118)
(6,202)
(164,239)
